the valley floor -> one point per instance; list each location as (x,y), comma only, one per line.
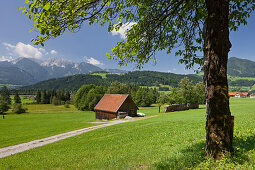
(169,141)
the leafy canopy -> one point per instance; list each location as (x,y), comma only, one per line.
(160,24)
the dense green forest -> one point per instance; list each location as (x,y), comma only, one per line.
(72,83)
(141,78)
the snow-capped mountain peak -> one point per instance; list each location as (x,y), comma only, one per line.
(17,60)
(59,62)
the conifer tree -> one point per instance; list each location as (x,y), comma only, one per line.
(44,97)
(38,97)
(5,95)
(17,99)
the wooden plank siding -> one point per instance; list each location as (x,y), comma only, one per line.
(111,105)
(129,106)
(103,115)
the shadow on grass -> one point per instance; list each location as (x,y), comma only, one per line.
(191,156)
(187,157)
(242,145)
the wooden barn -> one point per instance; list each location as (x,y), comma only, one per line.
(115,106)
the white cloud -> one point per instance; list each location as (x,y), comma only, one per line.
(174,69)
(4,58)
(43,51)
(92,61)
(8,46)
(123,29)
(169,71)
(25,50)
(53,52)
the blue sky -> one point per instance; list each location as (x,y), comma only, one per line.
(91,43)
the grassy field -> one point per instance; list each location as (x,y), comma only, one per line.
(242,88)
(103,75)
(41,121)
(168,141)
(240,78)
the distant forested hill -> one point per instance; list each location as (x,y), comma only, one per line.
(241,67)
(150,78)
(141,78)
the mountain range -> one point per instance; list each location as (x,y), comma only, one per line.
(24,71)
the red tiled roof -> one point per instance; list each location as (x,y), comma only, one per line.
(242,93)
(111,102)
(232,93)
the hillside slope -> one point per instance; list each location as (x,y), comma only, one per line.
(141,78)
(241,67)
(10,74)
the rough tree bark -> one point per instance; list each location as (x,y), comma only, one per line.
(219,133)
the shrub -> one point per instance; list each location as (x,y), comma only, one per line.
(163,88)
(67,105)
(18,108)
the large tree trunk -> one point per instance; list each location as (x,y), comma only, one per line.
(219,133)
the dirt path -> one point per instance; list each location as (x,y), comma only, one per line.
(10,150)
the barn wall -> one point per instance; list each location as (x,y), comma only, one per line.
(129,107)
(105,115)
(193,105)
(176,107)
(180,107)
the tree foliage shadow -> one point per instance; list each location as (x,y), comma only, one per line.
(191,156)
(186,158)
(242,145)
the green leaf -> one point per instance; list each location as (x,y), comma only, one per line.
(47,6)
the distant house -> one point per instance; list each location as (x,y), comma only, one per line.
(245,94)
(242,95)
(232,94)
(32,97)
(252,95)
(115,106)
(238,94)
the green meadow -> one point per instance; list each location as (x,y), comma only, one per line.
(42,120)
(103,75)
(173,140)
(233,78)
